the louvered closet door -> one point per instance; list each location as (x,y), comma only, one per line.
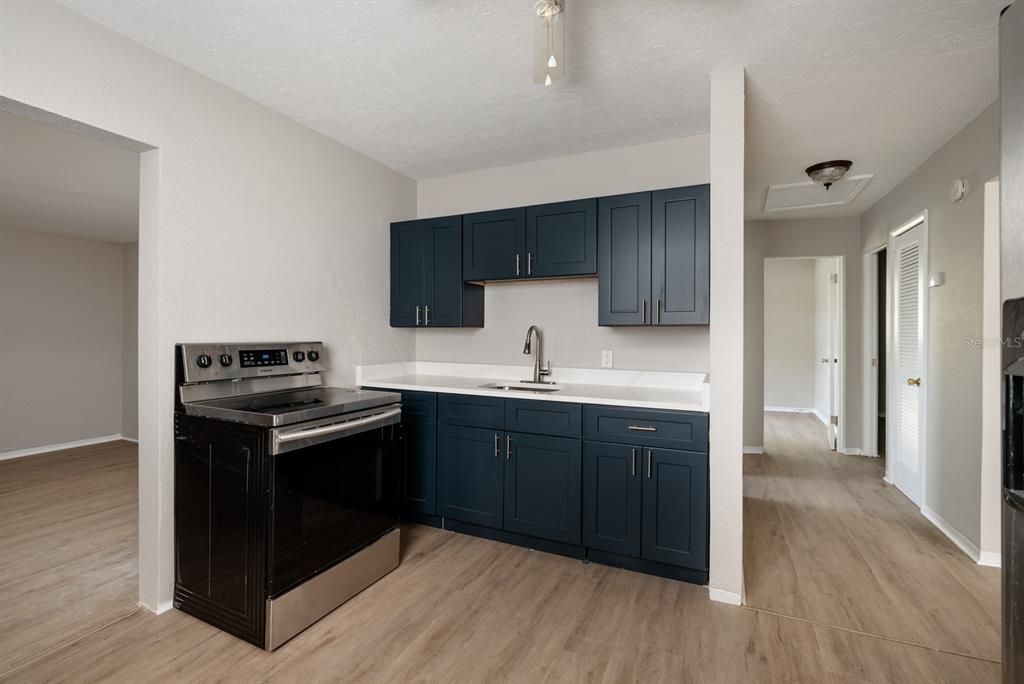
(908,327)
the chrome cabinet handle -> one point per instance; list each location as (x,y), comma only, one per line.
(508,447)
(497,446)
(417,314)
(643,428)
(657,308)
(517,264)
(650,457)
(633,469)
(529,263)
(426,315)
(644,320)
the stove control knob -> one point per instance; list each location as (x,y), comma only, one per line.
(314,355)
(226,360)
(299,356)
(204,361)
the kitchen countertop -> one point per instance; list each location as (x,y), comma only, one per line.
(642,389)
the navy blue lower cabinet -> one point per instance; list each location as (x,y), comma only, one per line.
(612,493)
(420,490)
(542,487)
(470,472)
(675,507)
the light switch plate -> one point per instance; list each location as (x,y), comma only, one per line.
(607,359)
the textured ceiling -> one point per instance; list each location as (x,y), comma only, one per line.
(432,88)
(56,181)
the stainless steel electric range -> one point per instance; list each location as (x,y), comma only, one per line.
(286,493)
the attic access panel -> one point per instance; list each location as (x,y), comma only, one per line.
(808,194)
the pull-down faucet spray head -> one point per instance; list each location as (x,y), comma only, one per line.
(527,347)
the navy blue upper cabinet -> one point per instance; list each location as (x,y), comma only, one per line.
(427,288)
(624,254)
(561,239)
(681,255)
(494,245)
(675,508)
(408,273)
(654,254)
(542,487)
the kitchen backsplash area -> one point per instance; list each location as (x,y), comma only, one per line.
(566,311)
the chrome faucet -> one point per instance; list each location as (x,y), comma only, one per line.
(537,370)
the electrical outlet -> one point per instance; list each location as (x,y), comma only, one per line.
(607,359)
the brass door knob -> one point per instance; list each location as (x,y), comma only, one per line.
(916,382)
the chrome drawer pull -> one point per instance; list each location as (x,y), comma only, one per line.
(643,428)
(633,470)
(497,446)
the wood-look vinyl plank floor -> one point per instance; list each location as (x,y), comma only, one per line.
(827,540)
(68,547)
(461,609)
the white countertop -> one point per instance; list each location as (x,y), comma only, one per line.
(642,389)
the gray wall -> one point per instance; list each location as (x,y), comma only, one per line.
(789,333)
(800,238)
(61,313)
(953,442)
(130,342)
(566,310)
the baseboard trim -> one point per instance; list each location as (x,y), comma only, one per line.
(990,559)
(33,451)
(723,596)
(853,451)
(133,440)
(962,542)
(753,449)
(789,409)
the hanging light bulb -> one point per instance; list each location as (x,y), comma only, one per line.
(549,41)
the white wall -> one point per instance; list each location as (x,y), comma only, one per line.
(956,238)
(566,310)
(789,333)
(130,342)
(801,238)
(61,339)
(232,192)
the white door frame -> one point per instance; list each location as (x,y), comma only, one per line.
(869,381)
(890,369)
(840,371)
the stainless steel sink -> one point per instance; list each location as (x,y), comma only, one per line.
(522,386)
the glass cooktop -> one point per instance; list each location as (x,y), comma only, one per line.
(291,406)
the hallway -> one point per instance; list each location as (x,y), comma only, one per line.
(826,540)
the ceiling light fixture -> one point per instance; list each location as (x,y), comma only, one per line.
(828,172)
(549,41)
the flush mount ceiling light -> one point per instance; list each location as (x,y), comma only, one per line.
(829,172)
(549,41)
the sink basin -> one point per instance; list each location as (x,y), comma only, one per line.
(522,386)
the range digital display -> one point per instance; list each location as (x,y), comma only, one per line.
(251,358)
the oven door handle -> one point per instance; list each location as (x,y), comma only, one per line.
(381,419)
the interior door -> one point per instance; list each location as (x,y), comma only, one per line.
(833,353)
(908,360)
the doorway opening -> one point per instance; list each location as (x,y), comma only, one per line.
(69,274)
(803,341)
(878,358)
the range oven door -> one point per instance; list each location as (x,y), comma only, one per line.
(331,498)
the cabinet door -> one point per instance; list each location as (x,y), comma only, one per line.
(542,487)
(444,273)
(470,470)
(420,490)
(494,245)
(612,492)
(561,239)
(624,259)
(409,250)
(675,517)
(681,255)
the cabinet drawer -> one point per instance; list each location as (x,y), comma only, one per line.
(419,407)
(471,411)
(544,417)
(647,427)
